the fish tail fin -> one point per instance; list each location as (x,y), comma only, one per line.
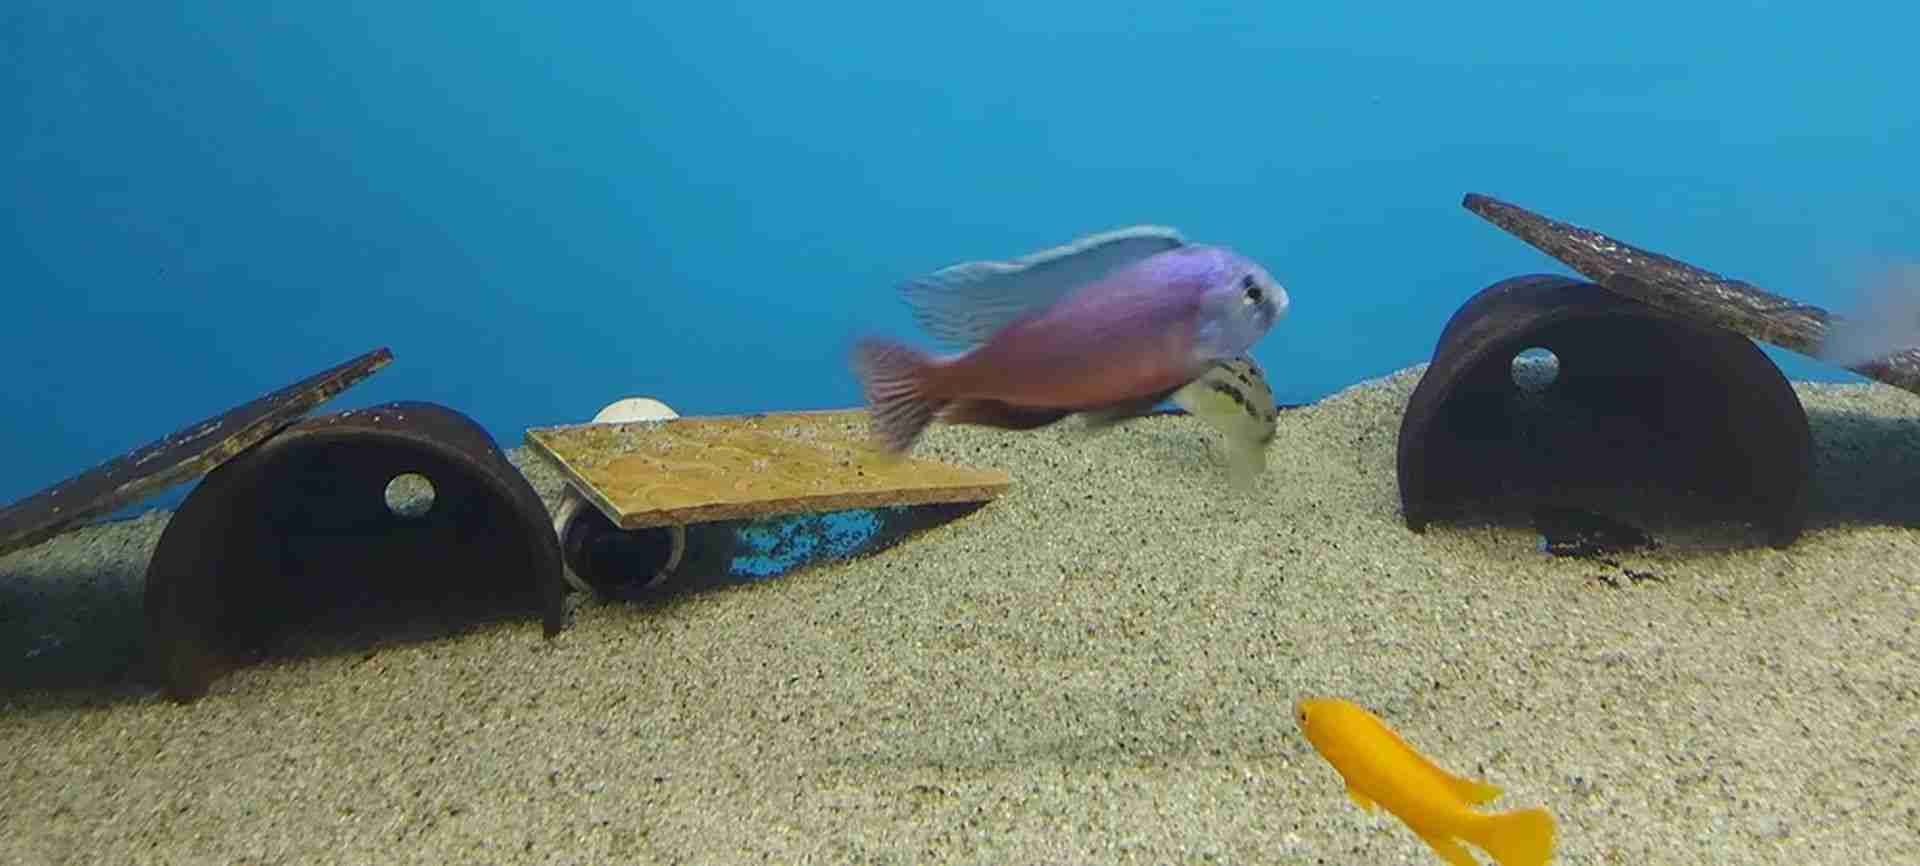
(1522,837)
(894,379)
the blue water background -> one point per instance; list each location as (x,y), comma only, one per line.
(542,207)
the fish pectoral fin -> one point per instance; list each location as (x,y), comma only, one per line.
(997,414)
(1361,800)
(1103,420)
(1106,417)
(1449,849)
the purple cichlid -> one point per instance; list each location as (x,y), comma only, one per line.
(1106,326)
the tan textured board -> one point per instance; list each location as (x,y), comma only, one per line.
(691,470)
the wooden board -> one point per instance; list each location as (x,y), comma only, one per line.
(1684,290)
(693,470)
(176,458)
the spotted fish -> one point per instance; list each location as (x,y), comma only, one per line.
(1233,397)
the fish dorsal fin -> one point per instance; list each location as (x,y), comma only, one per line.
(964,304)
(1472,791)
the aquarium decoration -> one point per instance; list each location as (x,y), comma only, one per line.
(688,470)
(739,497)
(382,513)
(1623,394)
(175,459)
(628,565)
(1683,290)
(598,557)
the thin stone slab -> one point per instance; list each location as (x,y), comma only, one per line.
(183,456)
(1684,290)
(692,470)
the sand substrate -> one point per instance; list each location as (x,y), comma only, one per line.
(1096,668)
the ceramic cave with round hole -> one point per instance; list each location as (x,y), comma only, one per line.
(1545,391)
(398,519)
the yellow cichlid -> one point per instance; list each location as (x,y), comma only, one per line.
(1381,769)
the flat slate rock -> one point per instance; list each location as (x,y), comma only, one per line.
(1684,290)
(694,470)
(183,456)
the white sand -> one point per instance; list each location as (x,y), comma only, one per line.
(1097,668)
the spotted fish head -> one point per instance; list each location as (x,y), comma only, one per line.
(1233,396)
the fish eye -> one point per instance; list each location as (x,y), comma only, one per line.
(1253,291)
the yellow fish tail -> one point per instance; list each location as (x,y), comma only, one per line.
(1523,837)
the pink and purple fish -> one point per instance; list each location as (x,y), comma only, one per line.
(1107,327)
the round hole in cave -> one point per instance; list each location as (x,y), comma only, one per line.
(1535,369)
(410,494)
